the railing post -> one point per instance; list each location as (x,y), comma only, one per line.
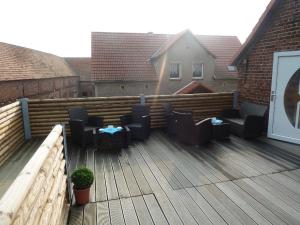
(142,99)
(26,121)
(67,163)
(235,102)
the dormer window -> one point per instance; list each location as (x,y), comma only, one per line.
(175,71)
(198,70)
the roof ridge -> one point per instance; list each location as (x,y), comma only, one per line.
(168,34)
(147,33)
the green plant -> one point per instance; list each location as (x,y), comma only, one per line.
(82,178)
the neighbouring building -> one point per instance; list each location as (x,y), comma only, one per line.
(269,68)
(148,63)
(277,30)
(82,67)
(29,73)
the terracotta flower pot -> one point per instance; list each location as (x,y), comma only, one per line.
(82,196)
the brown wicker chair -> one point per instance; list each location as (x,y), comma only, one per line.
(138,122)
(82,125)
(248,122)
(190,132)
(170,118)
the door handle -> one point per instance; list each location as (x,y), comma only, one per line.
(273,94)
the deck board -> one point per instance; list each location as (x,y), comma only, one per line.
(90,214)
(111,186)
(116,214)
(161,181)
(101,194)
(103,213)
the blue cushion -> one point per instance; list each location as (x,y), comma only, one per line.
(110,130)
(216,121)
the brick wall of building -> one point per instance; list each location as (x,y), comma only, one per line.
(86,89)
(283,34)
(61,87)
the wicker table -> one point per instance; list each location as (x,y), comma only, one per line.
(221,131)
(112,142)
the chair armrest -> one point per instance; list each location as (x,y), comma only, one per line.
(169,116)
(231,113)
(254,121)
(95,121)
(125,119)
(253,126)
(146,119)
(204,130)
(203,121)
(185,111)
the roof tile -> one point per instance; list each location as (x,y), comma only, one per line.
(19,63)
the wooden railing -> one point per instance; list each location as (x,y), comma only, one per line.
(37,195)
(45,113)
(11,130)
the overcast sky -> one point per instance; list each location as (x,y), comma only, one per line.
(63,27)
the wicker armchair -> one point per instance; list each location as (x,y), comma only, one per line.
(170,118)
(138,122)
(248,122)
(82,126)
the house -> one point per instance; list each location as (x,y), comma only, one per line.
(26,72)
(268,64)
(148,63)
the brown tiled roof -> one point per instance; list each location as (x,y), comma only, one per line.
(82,67)
(126,56)
(194,87)
(223,47)
(19,63)
(256,31)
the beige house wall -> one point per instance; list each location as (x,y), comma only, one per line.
(185,51)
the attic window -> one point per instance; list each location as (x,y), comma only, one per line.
(175,69)
(197,70)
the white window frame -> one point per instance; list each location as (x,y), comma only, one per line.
(198,78)
(180,70)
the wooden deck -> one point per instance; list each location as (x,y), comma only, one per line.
(161,181)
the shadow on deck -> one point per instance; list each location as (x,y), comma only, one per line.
(161,181)
(13,166)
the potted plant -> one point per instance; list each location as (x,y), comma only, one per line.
(82,179)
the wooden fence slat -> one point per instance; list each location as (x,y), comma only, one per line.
(11,130)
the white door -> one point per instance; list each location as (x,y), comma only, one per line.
(284,116)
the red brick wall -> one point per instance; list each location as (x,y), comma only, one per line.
(283,34)
(62,87)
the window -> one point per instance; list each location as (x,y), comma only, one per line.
(198,70)
(175,70)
